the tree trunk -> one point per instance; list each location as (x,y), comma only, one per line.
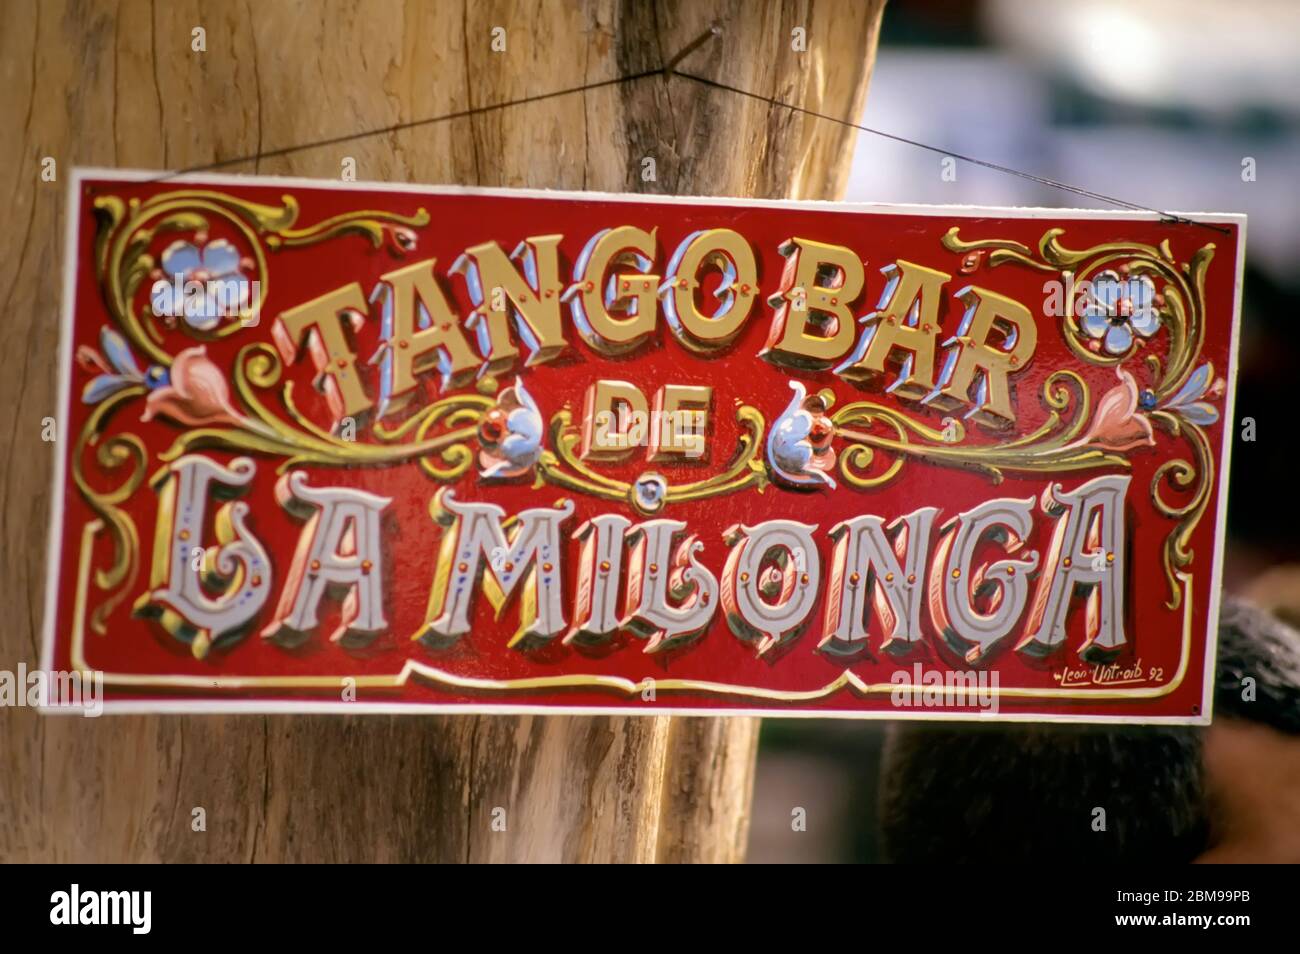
(95,84)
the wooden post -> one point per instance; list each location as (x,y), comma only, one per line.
(125,86)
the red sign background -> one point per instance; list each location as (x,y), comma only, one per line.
(1161,674)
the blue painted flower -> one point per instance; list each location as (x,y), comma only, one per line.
(799,445)
(218,268)
(511,434)
(1187,403)
(117,367)
(1116,309)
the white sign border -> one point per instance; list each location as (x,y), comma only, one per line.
(73,212)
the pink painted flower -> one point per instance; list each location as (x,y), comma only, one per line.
(1117,425)
(196,393)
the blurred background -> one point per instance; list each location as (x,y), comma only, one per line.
(1180,105)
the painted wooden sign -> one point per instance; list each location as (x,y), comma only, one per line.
(362,447)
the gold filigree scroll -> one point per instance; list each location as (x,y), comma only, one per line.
(1196,478)
(650,492)
(117,452)
(1181,303)
(300,441)
(128,229)
(1172,400)
(1054,446)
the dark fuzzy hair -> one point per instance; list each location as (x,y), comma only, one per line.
(1008,793)
(1256,645)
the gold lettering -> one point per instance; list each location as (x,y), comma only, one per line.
(731,254)
(615,316)
(908,320)
(318,325)
(500,292)
(439,342)
(813,326)
(970,354)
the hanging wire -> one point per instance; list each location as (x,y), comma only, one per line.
(667,71)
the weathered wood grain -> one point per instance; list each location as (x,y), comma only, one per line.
(95,83)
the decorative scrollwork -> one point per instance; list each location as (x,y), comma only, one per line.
(1175,397)
(302,442)
(1180,304)
(1195,477)
(1058,444)
(125,450)
(128,230)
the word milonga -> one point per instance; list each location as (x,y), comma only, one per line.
(647,577)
